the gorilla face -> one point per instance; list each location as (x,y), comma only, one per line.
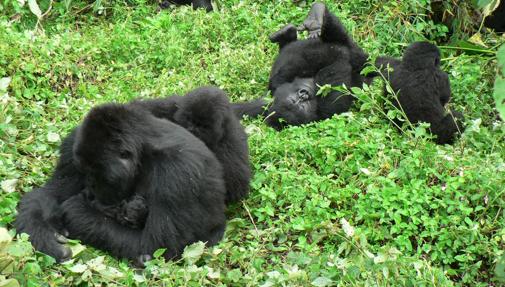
(107,155)
(295,103)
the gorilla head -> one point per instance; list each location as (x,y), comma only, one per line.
(295,102)
(108,153)
(421,55)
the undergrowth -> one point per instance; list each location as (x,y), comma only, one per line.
(350,201)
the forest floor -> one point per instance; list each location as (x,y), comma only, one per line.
(349,201)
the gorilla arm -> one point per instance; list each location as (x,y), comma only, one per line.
(39,211)
(185,205)
(335,102)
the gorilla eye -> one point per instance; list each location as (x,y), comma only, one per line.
(125,154)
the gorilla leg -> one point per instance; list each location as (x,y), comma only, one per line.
(448,127)
(284,36)
(39,212)
(205,4)
(41,218)
(314,21)
(252,109)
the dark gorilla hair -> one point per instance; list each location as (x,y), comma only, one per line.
(121,153)
(423,90)
(206,112)
(131,212)
(328,57)
(205,4)
(496,20)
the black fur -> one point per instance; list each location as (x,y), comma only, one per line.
(423,89)
(131,212)
(206,112)
(118,153)
(496,20)
(205,4)
(329,56)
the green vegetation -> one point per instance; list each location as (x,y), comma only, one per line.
(349,201)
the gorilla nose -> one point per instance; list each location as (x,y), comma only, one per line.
(303,94)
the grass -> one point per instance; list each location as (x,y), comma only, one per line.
(349,201)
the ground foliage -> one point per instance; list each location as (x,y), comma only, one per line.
(349,201)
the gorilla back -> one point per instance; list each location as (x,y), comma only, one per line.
(423,89)
(207,114)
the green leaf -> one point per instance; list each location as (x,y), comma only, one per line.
(4,83)
(76,249)
(193,252)
(499,269)
(322,282)
(158,253)
(78,268)
(19,249)
(488,6)
(461,258)
(34,7)
(5,238)
(499,84)
(8,282)
(9,185)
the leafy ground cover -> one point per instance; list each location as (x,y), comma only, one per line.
(349,201)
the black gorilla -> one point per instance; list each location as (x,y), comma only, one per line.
(118,154)
(496,20)
(423,89)
(41,213)
(125,152)
(205,4)
(206,112)
(329,56)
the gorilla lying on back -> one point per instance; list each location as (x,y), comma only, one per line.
(206,112)
(329,56)
(205,4)
(423,90)
(111,165)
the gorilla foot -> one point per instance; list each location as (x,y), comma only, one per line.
(140,261)
(285,35)
(314,21)
(60,238)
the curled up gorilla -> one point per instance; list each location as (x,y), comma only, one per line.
(423,90)
(329,56)
(130,181)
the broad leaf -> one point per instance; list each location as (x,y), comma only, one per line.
(193,252)
(34,7)
(499,84)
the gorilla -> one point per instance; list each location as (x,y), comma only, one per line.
(423,90)
(205,4)
(206,113)
(496,20)
(165,184)
(328,57)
